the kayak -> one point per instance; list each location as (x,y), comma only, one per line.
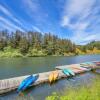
(27,82)
(97,63)
(65,72)
(87,63)
(51,78)
(88,67)
(31,81)
(71,72)
(90,63)
(55,75)
(23,83)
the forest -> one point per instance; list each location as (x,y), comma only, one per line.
(33,44)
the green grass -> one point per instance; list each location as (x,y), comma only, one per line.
(84,93)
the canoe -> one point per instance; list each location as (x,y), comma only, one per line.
(51,78)
(27,82)
(55,75)
(65,72)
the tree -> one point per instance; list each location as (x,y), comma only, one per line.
(36,42)
(23,45)
(2,44)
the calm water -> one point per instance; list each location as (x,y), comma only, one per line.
(23,66)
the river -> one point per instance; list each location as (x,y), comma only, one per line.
(13,67)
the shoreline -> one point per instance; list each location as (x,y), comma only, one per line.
(46,56)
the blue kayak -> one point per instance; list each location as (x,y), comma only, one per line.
(68,72)
(71,72)
(27,82)
(65,72)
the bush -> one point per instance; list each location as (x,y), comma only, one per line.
(9,52)
(35,53)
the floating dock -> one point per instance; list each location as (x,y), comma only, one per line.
(10,84)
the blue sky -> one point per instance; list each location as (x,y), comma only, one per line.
(78,20)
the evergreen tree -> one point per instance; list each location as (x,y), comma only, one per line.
(23,45)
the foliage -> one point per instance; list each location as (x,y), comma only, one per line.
(2,44)
(93,44)
(36,44)
(9,52)
(23,45)
(35,53)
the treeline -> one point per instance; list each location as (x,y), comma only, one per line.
(90,46)
(35,43)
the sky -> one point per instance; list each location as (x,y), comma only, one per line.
(78,20)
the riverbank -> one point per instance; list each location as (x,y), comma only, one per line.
(18,55)
(14,53)
(88,92)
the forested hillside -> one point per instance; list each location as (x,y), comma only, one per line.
(90,48)
(19,44)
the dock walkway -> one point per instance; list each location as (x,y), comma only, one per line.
(10,84)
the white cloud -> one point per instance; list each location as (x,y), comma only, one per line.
(34,10)
(9,14)
(36,28)
(4,26)
(79,15)
(76,8)
(31,7)
(9,24)
(65,21)
(4,10)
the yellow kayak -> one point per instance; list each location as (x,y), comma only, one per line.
(51,78)
(55,75)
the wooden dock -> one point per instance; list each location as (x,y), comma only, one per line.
(10,84)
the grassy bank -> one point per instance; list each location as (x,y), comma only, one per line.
(9,52)
(84,93)
(16,54)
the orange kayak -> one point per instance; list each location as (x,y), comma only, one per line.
(55,75)
(51,78)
